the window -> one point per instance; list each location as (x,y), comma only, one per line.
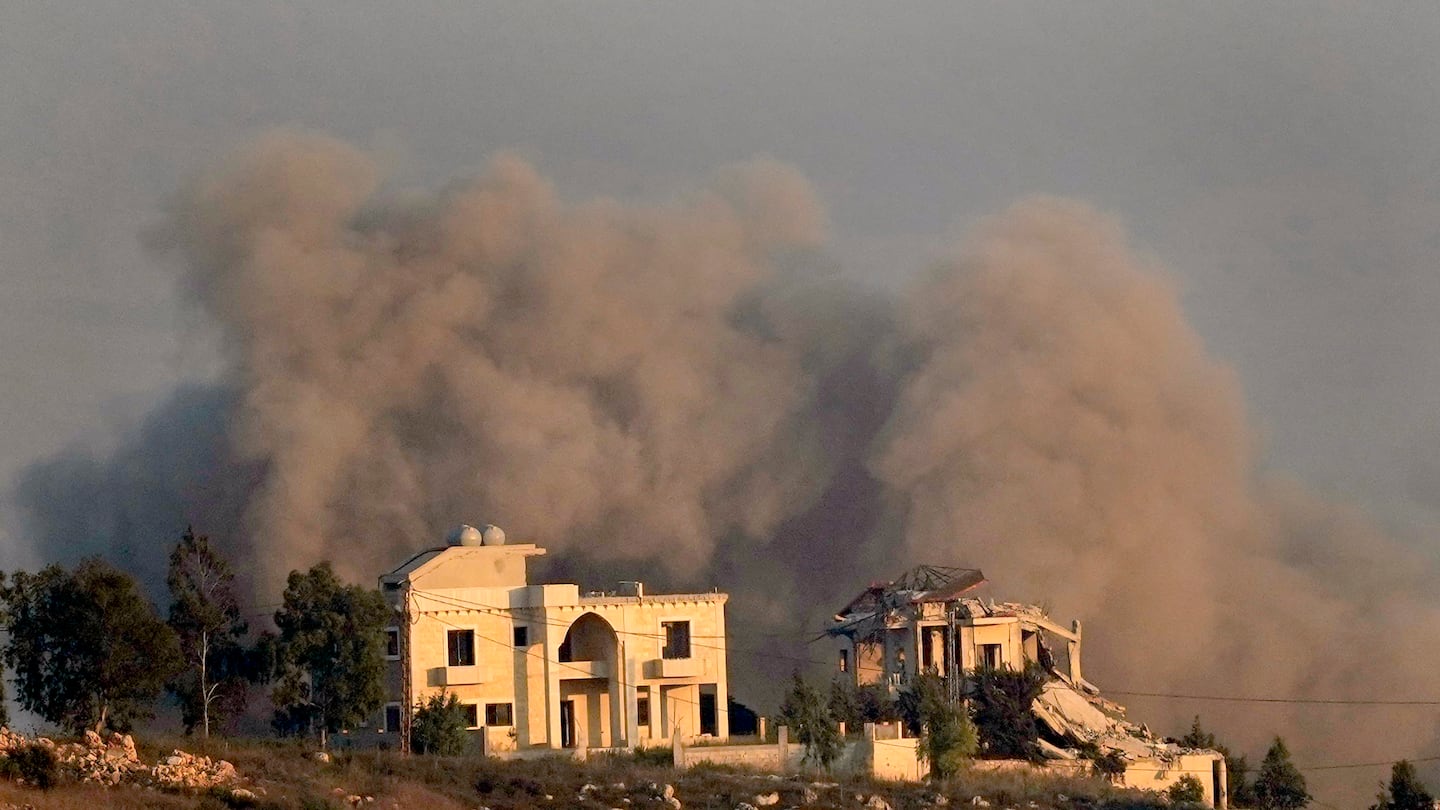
(677,639)
(642,710)
(472,715)
(522,637)
(462,647)
(990,655)
(499,714)
(844,660)
(392,717)
(392,643)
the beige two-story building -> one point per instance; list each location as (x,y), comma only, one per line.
(543,665)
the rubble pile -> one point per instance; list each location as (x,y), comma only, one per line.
(114,760)
(182,771)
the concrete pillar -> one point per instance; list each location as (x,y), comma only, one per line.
(677,749)
(619,701)
(552,689)
(783,747)
(1222,784)
(760,723)
(632,728)
(1075,672)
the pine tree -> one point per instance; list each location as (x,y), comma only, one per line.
(808,718)
(1405,791)
(1237,767)
(948,737)
(1002,701)
(1280,785)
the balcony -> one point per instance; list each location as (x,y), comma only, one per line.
(458,676)
(574,670)
(674,668)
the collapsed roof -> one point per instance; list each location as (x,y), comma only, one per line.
(1070,707)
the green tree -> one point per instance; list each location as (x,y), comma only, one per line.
(440,726)
(1002,701)
(330,653)
(86,648)
(1280,785)
(205,614)
(1188,790)
(1237,767)
(948,737)
(844,706)
(808,718)
(1405,791)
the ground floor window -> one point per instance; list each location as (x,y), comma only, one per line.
(472,715)
(642,708)
(392,718)
(499,714)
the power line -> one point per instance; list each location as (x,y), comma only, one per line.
(1301,701)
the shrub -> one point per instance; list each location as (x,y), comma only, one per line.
(36,764)
(948,738)
(1002,702)
(810,723)
(654,755)
(1187,791)
(439,726)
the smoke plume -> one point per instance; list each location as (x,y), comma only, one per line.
(687,393)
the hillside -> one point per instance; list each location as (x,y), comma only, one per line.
(284,776)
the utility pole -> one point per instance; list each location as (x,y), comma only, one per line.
(407,696)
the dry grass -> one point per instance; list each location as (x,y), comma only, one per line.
(285,778)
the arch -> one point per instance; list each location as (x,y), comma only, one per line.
(589,638)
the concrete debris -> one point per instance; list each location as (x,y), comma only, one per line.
(980,801)
(875,802)
(767,799)
(113,761)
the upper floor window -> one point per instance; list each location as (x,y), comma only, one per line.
(461,644)
(677,639)
(392,642)
(522,636)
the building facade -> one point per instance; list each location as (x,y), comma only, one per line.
(543,665)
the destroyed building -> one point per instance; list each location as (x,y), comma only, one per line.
(932,619)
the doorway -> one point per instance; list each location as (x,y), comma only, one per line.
(567,724)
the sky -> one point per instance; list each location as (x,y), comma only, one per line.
(1279,160)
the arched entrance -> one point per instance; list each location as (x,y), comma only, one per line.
(591,702)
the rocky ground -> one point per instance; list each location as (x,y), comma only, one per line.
(109,772)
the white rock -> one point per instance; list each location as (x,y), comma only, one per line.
(767,799)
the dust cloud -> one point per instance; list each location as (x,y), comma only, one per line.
(688,389)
